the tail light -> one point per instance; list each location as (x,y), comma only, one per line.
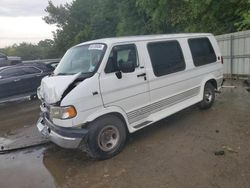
(220,58)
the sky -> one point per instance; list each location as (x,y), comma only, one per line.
(21,21)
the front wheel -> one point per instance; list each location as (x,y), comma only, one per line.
(208,97)
(106,138)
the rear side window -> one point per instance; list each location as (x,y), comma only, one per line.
(166,57)
(12,72)
(202,51)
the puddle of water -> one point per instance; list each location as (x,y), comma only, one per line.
(24,169)
(24,137)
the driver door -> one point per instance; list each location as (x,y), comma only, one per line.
(129,91)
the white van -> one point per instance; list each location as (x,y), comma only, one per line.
(103,89)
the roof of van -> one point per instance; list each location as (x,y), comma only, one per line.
(144,37)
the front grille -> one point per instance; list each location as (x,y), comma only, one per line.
(45,110)
(47,115)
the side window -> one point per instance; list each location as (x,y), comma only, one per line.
(166,57)
(31,70)
(121,54)
(202,51)
(12,72)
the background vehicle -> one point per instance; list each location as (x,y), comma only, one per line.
(21,80)
(52,63)
(9,60)
(3,57)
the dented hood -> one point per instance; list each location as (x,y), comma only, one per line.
(53,87)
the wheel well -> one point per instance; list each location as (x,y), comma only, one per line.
(213,82)
(117,115)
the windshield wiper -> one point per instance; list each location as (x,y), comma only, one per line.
(61,74)
(82,73)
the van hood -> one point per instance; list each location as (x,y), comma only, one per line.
(53,87)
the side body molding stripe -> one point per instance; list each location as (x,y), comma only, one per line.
(145,111)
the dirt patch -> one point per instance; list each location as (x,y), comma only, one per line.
(17,115)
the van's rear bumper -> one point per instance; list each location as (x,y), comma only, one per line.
(63,137)
(220,82)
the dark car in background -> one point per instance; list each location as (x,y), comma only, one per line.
(22,80)
(3,57)
(51,62)
(9,60)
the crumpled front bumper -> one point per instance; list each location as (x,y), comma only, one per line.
(61,136)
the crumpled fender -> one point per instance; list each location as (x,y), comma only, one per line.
(53,87)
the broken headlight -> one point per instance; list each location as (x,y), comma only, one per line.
(66,112)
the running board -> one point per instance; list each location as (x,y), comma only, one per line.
(142,124)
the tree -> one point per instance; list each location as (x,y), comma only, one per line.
(217,17)
(84,20)
(164,16)
(213,16)
(91,19)
(27,51)
(131,21)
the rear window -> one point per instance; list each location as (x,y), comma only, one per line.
(202,51)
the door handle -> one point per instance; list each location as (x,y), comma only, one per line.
(16,80)
(141,75)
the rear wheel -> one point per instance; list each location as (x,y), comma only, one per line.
(208,97)
(106,138)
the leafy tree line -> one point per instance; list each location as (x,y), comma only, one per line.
(45,49)
(84,20)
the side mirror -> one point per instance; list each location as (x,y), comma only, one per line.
(127,67)
(118,74)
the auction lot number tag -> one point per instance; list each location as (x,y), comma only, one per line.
(96,47)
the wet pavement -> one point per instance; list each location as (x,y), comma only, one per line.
(17,115)
(175,152)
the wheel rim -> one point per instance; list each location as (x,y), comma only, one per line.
(208,96)
(108,138)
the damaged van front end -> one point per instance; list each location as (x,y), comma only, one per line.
(67,96)
(50,93)
(63,137)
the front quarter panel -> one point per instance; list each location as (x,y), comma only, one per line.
(86,98)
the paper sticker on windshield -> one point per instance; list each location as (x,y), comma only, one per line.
(96,47)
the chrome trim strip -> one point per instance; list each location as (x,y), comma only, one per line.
(145,111)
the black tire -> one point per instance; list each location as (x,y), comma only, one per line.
(208,97)
(105,129)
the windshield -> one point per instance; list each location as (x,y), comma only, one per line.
(84,59)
